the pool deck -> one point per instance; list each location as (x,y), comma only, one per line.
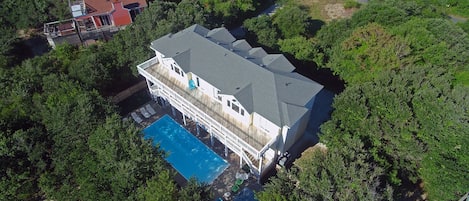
(223,183)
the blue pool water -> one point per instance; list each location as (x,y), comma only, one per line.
(187,154)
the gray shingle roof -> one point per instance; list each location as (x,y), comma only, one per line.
(262,83)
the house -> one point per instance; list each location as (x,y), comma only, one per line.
(249,100)
(92,20)
(96,14)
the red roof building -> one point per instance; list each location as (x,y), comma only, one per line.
(95,14)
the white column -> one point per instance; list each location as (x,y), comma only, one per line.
(94,22)
(184,119)
(211,135)
(226,151)
(211,139)
(241,160)
(260,165)
(226,148)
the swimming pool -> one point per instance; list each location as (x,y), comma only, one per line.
(187,154)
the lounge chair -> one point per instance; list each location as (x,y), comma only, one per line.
(239,182)
(144,112)
(136,118)
(150,109)
(235,188)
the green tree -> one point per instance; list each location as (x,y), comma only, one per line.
(159,188)
(196,191)
(22,14)
(368,51)
(263,28)
(335,173)
(292,21)
(229,9)
(300,47)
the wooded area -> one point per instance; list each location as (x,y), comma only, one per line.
(61,139)
(399,127)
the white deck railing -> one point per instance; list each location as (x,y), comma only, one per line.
(189,108)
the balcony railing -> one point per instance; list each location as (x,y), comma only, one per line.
(249,137)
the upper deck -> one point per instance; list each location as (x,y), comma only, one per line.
(206,111)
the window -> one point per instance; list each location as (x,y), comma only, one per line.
(235,107)
(105,20)
(218,95)
(177,70)
(228,103)
(242,112)
(198,82)
(182,74)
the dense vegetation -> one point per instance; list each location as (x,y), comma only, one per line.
(60,137)
(399,127)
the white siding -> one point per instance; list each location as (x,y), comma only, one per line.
(296,131)
(175,71)
(241,114)
(265,125)
(204,86)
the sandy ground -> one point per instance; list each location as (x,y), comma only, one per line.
(326,10)
(337,11)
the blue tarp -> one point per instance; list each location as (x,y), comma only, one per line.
(192,85)
(245,195)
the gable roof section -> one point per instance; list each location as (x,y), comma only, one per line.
(242,45)
(277,62)
(261,82)
(183,60)
(291,113)
(244,96)
(221,35)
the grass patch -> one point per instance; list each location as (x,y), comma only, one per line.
(317,8)
(462,78)
(351,4)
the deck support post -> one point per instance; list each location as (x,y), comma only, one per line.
(197,128)
(184,119)
(174,111)
(211,140)
(226,151)
(241,161)
(260,169)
